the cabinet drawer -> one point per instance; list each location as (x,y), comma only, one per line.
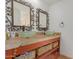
(27,55)
(31,55)
(55,44)
(44,49)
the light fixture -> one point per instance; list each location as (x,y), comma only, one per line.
(61,24)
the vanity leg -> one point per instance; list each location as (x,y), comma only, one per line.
(59,46)
(36,53)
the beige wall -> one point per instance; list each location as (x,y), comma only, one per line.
(63,11)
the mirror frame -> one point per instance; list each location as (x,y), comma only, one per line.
(9,13)
(38,11)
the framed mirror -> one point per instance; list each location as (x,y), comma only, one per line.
(22,15)
(42,20)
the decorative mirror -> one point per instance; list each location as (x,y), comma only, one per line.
(22,15)
(42,20)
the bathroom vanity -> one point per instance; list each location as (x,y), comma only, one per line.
(29,46)
(42,47)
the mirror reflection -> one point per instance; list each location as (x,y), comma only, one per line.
(42,20)
(21,14)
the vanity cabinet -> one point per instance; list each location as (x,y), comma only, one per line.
(47,49)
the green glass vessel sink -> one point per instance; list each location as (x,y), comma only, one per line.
(26,34)
(34,35)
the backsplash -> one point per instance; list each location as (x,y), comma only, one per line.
(9,18)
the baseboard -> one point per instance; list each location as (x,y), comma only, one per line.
(66,56)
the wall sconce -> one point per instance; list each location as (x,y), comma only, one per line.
(61,24)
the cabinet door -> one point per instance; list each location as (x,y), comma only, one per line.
(44,49)
(49,57)
(54,55)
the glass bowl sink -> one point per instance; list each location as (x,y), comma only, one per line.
(26,34)
(33,34)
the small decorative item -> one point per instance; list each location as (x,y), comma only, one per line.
(16,34)
(7,36)
(61,24)
(12,35)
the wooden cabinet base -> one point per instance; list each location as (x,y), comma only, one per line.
(53,53)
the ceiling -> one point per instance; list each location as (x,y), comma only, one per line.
(50,2)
